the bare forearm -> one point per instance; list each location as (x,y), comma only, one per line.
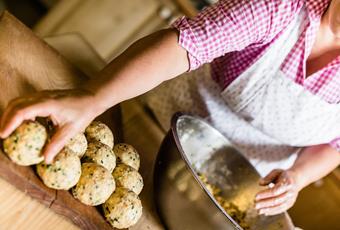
(314,163)
(143,66)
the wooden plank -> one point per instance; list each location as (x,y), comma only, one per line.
(152,24)
(156,21)
(62,202)
(55,17)
(27,64)
(79,52)
(21,212)
(106,24)
(29,183)
(49,3)
(187,7)
(84,216)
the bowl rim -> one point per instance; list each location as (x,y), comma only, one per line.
(174,133)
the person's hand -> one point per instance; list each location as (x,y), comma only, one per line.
(70,111)
(280,194)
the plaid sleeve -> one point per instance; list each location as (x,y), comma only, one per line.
(232,25)
(336,144)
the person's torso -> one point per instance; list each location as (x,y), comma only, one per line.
(270,101)
(324,83)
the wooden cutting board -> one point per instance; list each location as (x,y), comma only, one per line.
(28,64)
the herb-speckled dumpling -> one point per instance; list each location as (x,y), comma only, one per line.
(123,209)
(128,177)
(101,154)
(127,154)
(95,185)
(78,144)
(98,131)
(63,173)
(25,144)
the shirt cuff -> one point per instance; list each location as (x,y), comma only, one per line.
(336,144)
(187,40)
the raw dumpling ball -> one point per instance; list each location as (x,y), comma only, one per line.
(123,209)
(127,154)
(128,177)
(63,173)
(98,131)
(25,144)
(101,154)
(95,186)
(77,144)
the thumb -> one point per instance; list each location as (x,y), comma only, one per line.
(271,177)
(57,142)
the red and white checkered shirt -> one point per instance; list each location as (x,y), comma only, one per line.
(233,34)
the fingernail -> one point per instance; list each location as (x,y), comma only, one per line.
(257,206)
(261,211)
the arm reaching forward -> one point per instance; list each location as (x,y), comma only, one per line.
(143,66)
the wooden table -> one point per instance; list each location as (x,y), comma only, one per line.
(19,211)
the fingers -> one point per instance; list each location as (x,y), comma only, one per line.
(271,177)
(63,107)
(273,201)
(23,109)
(57,142)
(279,208)
(16,113)
(277,190)
(9,108)
(275,210)
(280,197)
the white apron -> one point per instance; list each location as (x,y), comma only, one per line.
(266,115)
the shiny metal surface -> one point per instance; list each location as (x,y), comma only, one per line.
(192,146)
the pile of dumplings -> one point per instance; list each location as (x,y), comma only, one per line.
(96,171)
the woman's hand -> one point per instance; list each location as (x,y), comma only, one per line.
(313,163)
(70,111)
(279,197)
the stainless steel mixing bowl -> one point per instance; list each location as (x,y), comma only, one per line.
(193,147)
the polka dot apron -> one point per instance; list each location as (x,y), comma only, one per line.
(264,114)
